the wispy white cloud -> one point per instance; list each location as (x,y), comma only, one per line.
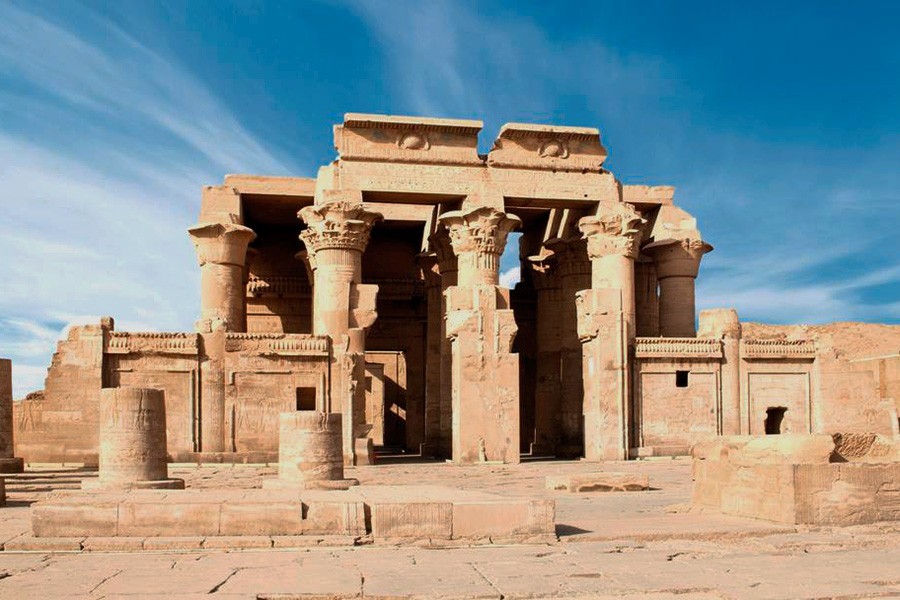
(511,277)
(104,144)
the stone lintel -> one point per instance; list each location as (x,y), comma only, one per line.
(548,147)
(383,138)
(648,194)
(262,185)
(373,121)
(220,204)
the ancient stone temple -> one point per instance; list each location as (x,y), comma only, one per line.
(372,290)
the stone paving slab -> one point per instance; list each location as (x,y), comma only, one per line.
(649,553)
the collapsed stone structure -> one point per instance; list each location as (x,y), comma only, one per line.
(372,291)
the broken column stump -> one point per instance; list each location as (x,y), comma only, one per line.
(310,453)
(133,441)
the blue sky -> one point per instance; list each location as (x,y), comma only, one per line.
(779,124)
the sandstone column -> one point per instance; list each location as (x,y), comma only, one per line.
(309,452)
(448,269)
(606,327)
(8,461)
(481,327)
(574,274)
(433,341)
(547,380)
(677,263)
(222,252)
(723,324)
(646,298)
(343,307)
(133,440)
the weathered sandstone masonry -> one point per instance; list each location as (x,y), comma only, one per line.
(9,463)
(133,441)
(372,291)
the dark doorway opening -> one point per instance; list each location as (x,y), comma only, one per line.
(681,378)
(774,417)
(306,398)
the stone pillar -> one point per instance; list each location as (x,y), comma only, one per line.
(723,324)
(574,274)
(481,328)
(433,341)
(310,454)
(606,328)
(8,461)
(448,270)
(133,441)
(677,263)
(547,380)
(222,251)
(337,233)
(646,298)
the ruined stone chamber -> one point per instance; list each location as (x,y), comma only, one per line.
(373,291)
(133,441)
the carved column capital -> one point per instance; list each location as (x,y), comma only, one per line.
(478,238)
(221,243)
(571,258)
(337,225)
(543,271)
(677,258)
(612,232)
(443,251)
(481,230)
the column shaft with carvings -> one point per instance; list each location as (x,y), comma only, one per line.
(433,342)
(573,270)
(481,328)
(337,233)
(677,263)
(221,251)
(549,330)
(606,328)
(646,298)
(448,269)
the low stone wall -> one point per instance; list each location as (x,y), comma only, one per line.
(791,479)
(428,515)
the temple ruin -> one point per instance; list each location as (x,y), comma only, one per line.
(372,291)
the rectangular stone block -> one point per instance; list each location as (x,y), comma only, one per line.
(415,520)
(69,519)
(237,542)
(261,518)
(334,518)
(503,519)
(169,519)
(112,544)
(306,541)
(173,543)
(27,543)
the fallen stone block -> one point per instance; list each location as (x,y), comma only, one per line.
(599,482)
